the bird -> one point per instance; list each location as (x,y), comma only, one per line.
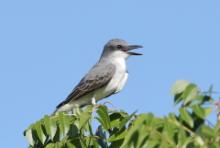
(107,77)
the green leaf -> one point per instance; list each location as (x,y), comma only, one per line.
(29,136)
(103,117)
(116,117)
(199,141)
(169,129)
(190,93)
(92,142)
(133,141)
(126,119)
(199,111)
(177,98)
(70,145)
(152,143)
(73,132)
(116,144)
(179,86)
(85,116)
(182,137)
(64,124)
(117,136)
(143,135)
(115,123)
(51,145)
(187,142)
(207,131)
(201,99)
(50,126)
(135,133)
(39,131)
(185,116)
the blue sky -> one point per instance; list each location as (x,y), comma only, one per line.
(46,47)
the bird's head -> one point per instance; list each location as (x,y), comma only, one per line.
(119,48)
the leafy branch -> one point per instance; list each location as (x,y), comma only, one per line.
(187,128)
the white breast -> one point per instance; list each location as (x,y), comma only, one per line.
(118,80)
(122,83)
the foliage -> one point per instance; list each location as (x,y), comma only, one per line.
(185,129)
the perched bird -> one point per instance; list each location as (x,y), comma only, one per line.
(105,78)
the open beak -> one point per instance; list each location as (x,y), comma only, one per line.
(132,47)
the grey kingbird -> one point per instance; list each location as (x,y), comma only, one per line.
(107,77)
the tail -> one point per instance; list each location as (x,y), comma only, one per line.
(60,108)
(68,107)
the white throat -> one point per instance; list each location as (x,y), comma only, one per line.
(120,63)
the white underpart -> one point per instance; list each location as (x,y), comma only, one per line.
(118,80)
(122,83)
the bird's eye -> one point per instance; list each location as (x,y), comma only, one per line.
(119,46)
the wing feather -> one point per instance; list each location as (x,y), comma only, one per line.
(97,77)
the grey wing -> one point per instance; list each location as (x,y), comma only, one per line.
(97,77)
